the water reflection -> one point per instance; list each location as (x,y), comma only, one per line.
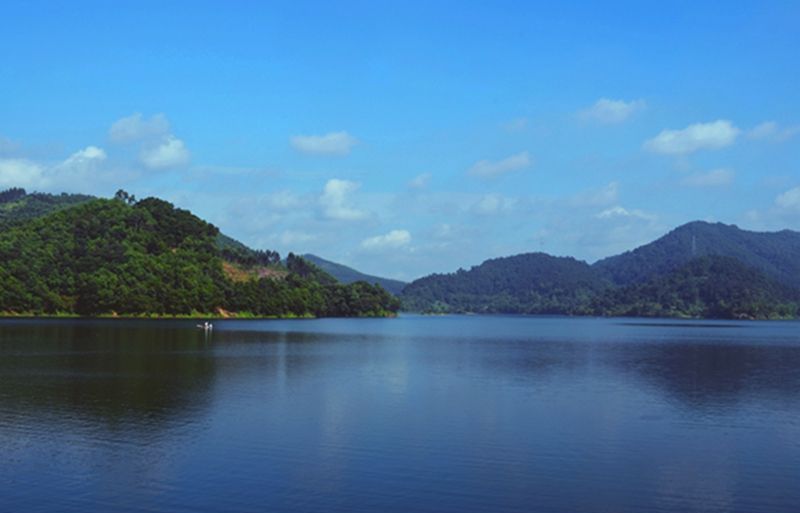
(715,376)
(121,374)
(410,414)
(709,366)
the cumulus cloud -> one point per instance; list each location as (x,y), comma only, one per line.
(771,131)
(621,212)
(79,168)
(334,143)
(608,111)
(491,169)
(393,240)
(170,152)
(21,173)
(137,128)
(335,200)
(420,181)
(789,199)
(85,157)
(158,147)
(700,136)
(713,178)
(781,215)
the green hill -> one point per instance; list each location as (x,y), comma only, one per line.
(17,205)
(708,287)
(76,254)
(777,254)
(697,270)
(349,275)
(122,257)
(528,283)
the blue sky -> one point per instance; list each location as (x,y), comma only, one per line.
(414,137)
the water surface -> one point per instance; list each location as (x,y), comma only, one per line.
(446,414)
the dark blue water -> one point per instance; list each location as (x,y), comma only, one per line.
(445,414)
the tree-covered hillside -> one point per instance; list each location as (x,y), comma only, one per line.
(349,275)
(125,257)
(527,283)
(708,287)
(17,205)
(777,254)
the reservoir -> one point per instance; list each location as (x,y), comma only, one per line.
(413,414)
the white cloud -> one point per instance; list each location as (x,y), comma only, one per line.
(621,212)
(771,131)
(764,130)
(392,240)
(335,200)
(21,173)
(334,143)
(420,181)
(490,169)
(789,199)
(713,178)
(158,147)
(85,157)
(608,111)
(494,204)
(700,136)
(137,128)
(169,153)
(67,174)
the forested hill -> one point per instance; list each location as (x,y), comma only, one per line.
(527,283)
(123,256)
(777,254)
(18,205)
(697,270)
(349,275)
(706,287)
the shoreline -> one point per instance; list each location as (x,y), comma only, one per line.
(228,316)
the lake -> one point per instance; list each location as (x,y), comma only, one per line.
(414,414)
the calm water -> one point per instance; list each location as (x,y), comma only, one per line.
(445,414)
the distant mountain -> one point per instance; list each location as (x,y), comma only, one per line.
(527,283)
(18,205)
(709,287)
(349,275)
(697,270)
(777,254)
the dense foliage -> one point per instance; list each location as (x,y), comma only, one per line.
(708,287)
(234,251)
(776,254)
(75,254)
(349,275)
(527,283)
(16,205)
(705,287)
(147,257)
